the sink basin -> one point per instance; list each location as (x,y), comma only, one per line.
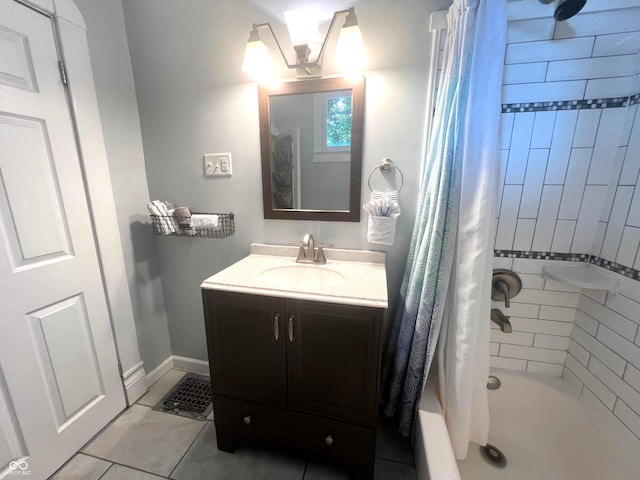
(301,275)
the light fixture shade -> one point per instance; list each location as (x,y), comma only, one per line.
(257,62)
(350,54)
(302,26)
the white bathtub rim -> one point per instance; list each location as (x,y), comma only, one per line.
(432,439)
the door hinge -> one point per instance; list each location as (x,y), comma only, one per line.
(63,72)
(120,369)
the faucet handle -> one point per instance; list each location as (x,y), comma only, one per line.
(302,255)
(320,258)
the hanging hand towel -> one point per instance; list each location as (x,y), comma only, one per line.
(383,212)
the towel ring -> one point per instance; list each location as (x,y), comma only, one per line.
(385,167)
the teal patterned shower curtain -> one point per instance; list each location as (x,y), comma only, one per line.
(427,272)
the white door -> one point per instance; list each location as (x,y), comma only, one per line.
(59,379)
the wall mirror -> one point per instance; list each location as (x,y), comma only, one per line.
(311,135)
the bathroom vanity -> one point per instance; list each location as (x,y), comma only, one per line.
(294,352)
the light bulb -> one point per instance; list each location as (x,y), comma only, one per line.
(350,54)
(302,26)
(257,62)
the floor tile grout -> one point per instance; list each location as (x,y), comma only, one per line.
(187,450)
(123,465)
(412,464)
(105,472)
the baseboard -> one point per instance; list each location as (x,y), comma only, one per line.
(191,364)
(135,383)
(154,375)
(181,363)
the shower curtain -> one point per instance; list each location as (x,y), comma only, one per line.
(453,225)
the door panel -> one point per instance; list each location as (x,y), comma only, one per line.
(11,442)
(328,339)
(74,378)
(242,337)
(58,355)
(33,217)
(16,66)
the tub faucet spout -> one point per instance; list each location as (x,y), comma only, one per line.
(501,320)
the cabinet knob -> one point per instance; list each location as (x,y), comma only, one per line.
(329,440)
(247,420)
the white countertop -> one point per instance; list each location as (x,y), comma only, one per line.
(365,277)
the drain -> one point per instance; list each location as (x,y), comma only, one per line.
(494,383)
(494,455)
(191,398)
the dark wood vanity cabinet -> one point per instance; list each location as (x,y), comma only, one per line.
(298,373)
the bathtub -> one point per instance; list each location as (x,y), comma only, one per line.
(545,430)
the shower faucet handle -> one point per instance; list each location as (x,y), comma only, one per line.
(505,285)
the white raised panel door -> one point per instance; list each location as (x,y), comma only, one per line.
(59,379)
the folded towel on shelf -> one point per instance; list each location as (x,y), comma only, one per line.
(383,210)
(205,221)
(163,222)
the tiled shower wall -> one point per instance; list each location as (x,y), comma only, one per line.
(566,130)
(570,157)
(603,361)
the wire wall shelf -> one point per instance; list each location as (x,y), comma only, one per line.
(183,226)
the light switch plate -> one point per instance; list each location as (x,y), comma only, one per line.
(217,165)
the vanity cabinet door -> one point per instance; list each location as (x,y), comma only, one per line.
(333,360)
(246,343)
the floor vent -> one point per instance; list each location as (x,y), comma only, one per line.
(191,398)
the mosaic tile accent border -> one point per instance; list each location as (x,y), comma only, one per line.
(566,105)
(616,268)
(566,257)
(633,99)
(628,272)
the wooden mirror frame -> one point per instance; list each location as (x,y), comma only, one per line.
(356,85)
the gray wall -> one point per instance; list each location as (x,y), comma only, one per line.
(194,99)
(121,125)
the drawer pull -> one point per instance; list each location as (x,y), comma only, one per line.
(247,420)
(329,440)
(291,335)
(276,327)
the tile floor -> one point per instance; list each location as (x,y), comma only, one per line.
(142,444)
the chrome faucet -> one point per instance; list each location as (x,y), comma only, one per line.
(307,252)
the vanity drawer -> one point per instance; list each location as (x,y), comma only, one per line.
(237,420)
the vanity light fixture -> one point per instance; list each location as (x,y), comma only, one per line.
(350,54)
